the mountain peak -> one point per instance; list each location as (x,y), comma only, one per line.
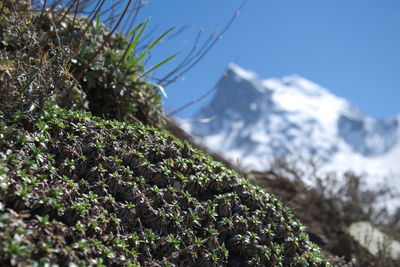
(296,83)
(290,83)
(241,72)
(256,120)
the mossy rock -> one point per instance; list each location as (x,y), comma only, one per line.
(79,189)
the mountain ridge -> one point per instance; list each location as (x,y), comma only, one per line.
(254,120)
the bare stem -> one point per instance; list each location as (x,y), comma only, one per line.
(106,39)
(42,12)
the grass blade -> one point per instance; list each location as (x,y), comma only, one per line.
(141,27)
(132,44)
(160,38)
(158,65)
(151,46)
(131,33)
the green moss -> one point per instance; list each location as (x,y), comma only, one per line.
(121,193)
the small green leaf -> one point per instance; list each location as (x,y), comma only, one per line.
(98,16)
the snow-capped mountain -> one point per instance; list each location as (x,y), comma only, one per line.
(251,121)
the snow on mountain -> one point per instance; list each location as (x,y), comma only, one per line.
(251,121)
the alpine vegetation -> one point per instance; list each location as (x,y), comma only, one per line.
(78,189)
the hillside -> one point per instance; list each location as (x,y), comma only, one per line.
(80,189)
(77,189)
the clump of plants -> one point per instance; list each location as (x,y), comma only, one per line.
(31,66)
(77,61)
(76,188)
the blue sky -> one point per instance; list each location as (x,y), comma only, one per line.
(351,47)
